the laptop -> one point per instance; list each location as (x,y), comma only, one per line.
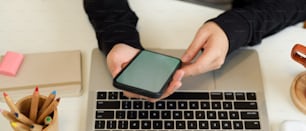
(230,98)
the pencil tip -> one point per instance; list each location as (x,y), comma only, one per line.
(16,114)
(4,94)
(58,99)
(36,89)
(53,92)
(13,124)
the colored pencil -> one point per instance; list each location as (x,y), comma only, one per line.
(47,102)
(8,115)
(10,102)
(36,127)
(34,105)
(22,118)
(48,110)
(18,126)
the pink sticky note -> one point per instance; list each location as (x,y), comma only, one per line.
(10,63)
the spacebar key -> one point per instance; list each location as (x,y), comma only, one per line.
(189,95)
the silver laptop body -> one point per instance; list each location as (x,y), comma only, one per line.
(240,73)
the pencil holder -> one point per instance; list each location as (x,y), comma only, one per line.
(24,106)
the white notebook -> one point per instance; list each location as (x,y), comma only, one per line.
(60,71)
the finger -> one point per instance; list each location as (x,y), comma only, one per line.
(196,45)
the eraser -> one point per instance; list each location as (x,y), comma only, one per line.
(10,63)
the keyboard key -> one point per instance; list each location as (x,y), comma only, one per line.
(166,114)
(188,115)
(101,95)
(180,124)
(200,115)
(245,105)
(169,124)
(126,104)
(143,114)
(157,124)
(240,96)
(154,115)
(134,124)
(227,105)
(160,105)
(99,124)
(211,115)
(192,125)
(216,95)
(177,115)
(113,95)
(249,115)
(251,96)
(137,104)
(226,125)
(189,96)
(205,105)
(111,124)
(182,105)
(252,125)
(222,115)
(238,124)
(171,105)
(146,124)
(215,125)
(193,105)
(149,105)
(108,105)
(203,124)
(120,114)
(229,96)
(105,115)
(234,114)
(123,124)
(132,114)
(216,105)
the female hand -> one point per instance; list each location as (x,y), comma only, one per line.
(121,55)
(212,41)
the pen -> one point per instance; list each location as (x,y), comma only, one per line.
(19,126)
(34,105)
(47,101)
(8,115)
(10,102)
(48,110)
(20,117)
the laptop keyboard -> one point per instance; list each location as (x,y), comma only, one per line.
(181,110)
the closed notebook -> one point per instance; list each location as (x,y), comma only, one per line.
(60,71)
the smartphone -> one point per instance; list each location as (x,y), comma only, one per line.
(148,74)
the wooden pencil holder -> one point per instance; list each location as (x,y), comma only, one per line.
(298,86)
(24,105)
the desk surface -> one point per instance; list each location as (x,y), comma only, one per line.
(43,26)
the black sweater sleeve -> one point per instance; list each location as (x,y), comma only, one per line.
(248,25)
(114,22)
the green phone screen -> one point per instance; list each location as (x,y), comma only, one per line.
(149,71)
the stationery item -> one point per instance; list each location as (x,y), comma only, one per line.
(8,115)
(48,101)
(20,117)
(18,126)
(24,106)
(60,71)
(34,105)
(48,111)
(11,63)
(10,102)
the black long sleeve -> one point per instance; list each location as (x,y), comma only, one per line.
(245,25)
(114,22)
(248,25)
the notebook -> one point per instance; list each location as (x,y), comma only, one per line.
(231,98)
(59,70)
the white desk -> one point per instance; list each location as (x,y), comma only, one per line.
(41,26)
